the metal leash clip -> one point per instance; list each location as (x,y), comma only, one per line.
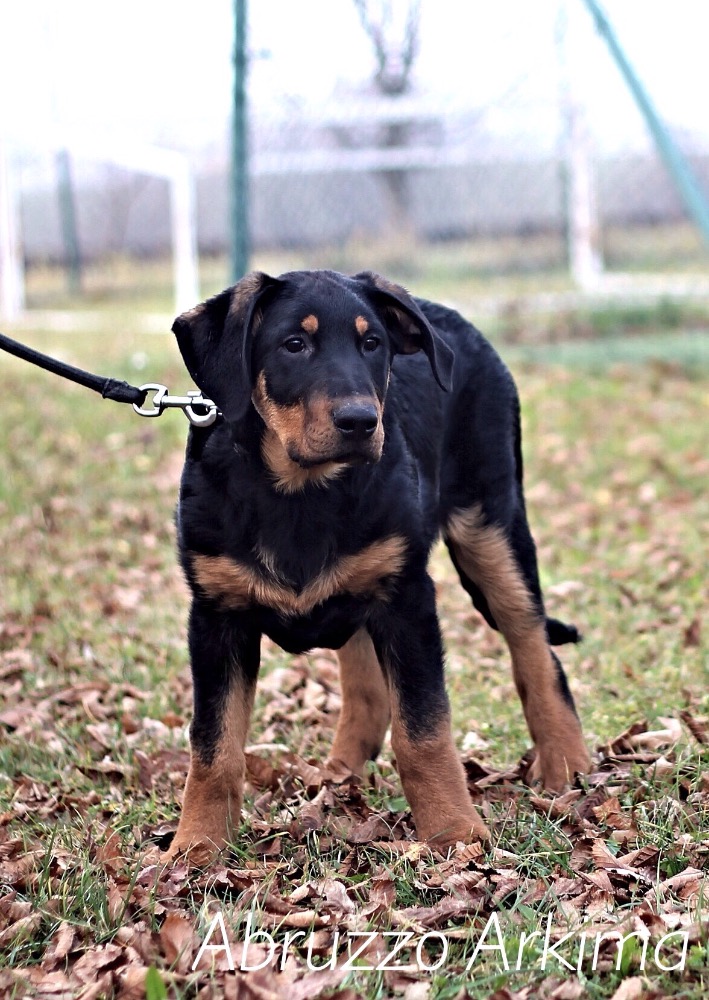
(189,403)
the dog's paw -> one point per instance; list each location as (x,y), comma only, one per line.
(198,855)
(443,842)
(196,851)
(463,830)
(555,767)
(338,770)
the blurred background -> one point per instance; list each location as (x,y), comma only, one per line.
(530,163)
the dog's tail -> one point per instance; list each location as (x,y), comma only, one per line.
(559,633)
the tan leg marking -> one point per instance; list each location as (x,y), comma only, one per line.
(211,807)
(484,555)
(434,783)
(365,704)
(555,727)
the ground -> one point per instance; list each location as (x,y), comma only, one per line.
(96,702)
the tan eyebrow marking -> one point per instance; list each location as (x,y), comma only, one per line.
(310,324)
(361,325)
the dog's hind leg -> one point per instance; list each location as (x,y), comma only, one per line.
(364,717)
(501,566)
(225,662)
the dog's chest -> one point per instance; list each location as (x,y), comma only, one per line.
(262,582)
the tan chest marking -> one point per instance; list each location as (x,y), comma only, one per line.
(237,586)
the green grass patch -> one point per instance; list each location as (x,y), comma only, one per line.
(96,701)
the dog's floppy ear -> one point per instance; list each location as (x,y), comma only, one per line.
(407,326)
(215,342)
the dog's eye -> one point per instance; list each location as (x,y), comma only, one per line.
(370,343)
(294,345)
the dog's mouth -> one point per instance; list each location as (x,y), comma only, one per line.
(361,455)
(293,466)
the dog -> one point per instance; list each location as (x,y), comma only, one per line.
(357,424)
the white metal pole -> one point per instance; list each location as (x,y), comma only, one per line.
(12,286)
(184,237)
(583,226)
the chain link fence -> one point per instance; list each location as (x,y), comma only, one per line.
(436,141)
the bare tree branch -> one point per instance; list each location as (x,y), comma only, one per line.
(395,56)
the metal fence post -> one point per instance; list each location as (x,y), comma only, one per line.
(239,182)
(67,215)
(689,190)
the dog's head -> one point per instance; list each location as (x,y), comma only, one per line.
(311,351)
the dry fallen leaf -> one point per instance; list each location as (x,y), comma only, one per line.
(178,941)
(654,739)
(699,728)
(630,989)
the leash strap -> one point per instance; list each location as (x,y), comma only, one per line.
(109,388)
(200,412)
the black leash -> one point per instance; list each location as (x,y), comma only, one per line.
(110,388)
(199,411)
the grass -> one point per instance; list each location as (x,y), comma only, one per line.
(96,701)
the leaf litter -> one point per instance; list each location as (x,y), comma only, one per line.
(604,880)
(96,758)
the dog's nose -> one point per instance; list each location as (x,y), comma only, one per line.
(356,421)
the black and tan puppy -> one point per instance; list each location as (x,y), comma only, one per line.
(358,423)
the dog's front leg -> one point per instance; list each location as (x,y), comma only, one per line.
(224,653)
(407,637)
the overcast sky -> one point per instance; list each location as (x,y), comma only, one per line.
(161,71)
